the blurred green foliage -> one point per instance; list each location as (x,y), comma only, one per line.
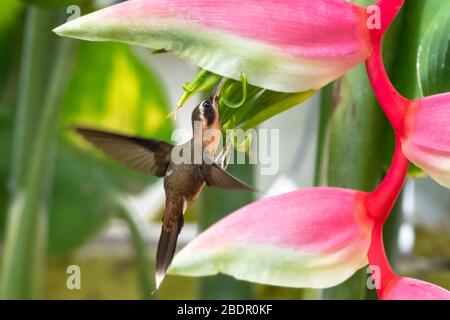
(5,144)
(54,3)
(433,61)
(113,89)
(11,21)
(110,89)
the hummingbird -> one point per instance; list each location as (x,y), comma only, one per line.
(183,181)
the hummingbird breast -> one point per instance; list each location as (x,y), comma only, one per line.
(185,181)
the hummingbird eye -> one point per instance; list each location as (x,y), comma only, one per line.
(207,105)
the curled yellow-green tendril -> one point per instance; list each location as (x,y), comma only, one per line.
(204,80)
(227,89)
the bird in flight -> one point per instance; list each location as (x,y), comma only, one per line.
(184,178)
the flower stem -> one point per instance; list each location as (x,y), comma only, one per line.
(381,201)
(381,269)
(389,10)
(392,102)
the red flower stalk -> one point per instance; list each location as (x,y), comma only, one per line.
(422,128)
(379,204)
(423,125)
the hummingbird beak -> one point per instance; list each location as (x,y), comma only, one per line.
(219,88)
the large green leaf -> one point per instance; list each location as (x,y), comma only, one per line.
(111,88)
(433,60)
(9,10)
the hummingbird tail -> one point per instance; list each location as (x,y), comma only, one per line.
(166,248)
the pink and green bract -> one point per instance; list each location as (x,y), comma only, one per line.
(314,238)
(286,46)
(426,140)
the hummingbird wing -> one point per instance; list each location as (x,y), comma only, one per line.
(172,224)
(217,177)
(147,155)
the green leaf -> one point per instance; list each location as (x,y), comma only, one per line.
(417,15)
(203,81)
(242,105)
(269,104)
(113,89)
(9,9)
(433,60)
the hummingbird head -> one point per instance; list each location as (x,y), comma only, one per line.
(207,113)
(206,117)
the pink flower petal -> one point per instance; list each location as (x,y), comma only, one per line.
(427,139)
(413,289)
(288,46)
(314,237)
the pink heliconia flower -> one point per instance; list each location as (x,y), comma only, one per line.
(282,45)
(315,237)
(423,125)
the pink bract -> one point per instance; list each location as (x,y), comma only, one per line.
(412,289)
(314,237)
(287,46)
